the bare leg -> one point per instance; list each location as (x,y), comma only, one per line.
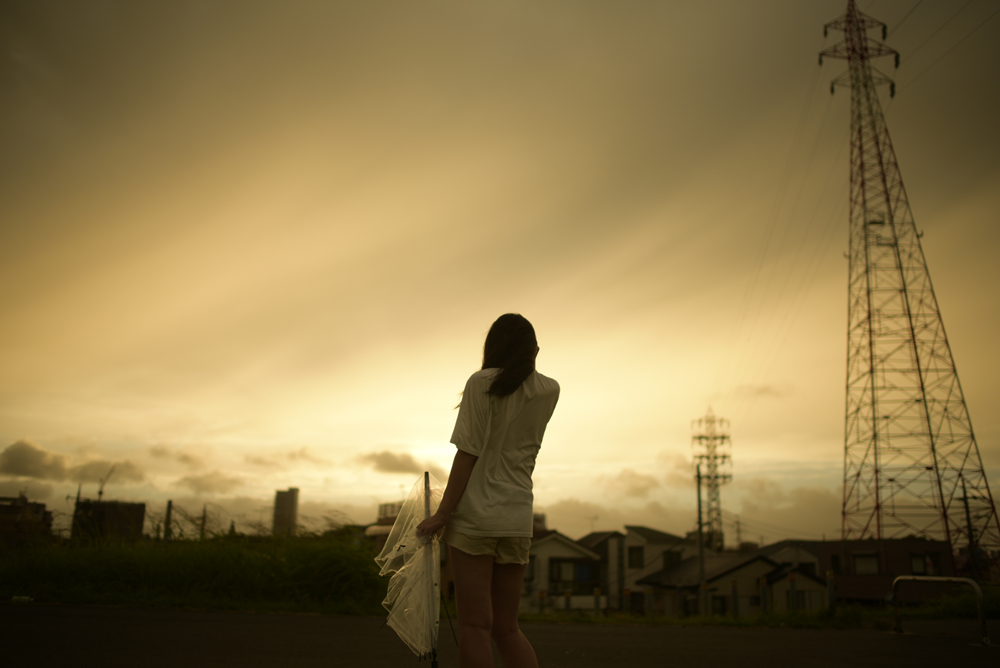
(473,574)
(515,650)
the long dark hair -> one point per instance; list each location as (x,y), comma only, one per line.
(510,346)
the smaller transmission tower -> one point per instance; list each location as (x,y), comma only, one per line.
(711,444)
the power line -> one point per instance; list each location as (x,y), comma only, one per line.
(943,55)
(902,20)
(766,526)
(943,25)
(737,333)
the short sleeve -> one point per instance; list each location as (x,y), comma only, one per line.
(472,428)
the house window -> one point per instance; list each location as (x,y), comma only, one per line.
(574,576)
(636,558)
(835,564)
(808,569)
(918,563)
(670,558)
(565,572)
(934,563)
(799,601)
(866,564)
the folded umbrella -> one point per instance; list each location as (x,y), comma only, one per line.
(414,596)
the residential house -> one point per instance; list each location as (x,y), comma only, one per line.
(610,549)
(863,570)
(561,575)
(779,578)
(649,551)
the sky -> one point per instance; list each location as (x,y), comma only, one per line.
(246,246)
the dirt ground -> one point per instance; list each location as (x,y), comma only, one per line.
(112,637)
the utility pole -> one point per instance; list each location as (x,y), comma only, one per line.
(167,532)
(702,608)
(909,446)
(973,561)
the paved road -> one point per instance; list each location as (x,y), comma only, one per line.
(111,637)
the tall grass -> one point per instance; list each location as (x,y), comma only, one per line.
(961,603)
(330,574)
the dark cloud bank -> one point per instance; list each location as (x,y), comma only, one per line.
(28,460)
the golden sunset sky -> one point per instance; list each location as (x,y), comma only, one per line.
(252,245)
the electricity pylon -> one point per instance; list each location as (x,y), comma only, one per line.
(710,446)
(911,463)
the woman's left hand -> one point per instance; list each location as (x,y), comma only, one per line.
(432,524)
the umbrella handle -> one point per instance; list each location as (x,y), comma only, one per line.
(429,546)
(427,494)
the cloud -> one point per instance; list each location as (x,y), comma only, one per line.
(390,462)
(280,459)
(680,469)
(185,458)
(26,459)
(761,391)
(97,470)
(576,518)
(303,455)
(775,512)
(263,462)
(214,482)
(35,491)
(629,483)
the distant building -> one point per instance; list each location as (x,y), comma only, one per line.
(286,512)
(115,520)
(610,548)
(779,578)
(647,551)
(863,570)
(799,575)
(562,575)
(379,532)
(22,520)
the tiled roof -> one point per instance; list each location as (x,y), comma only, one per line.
(685,573)
(654,536)
(595,538)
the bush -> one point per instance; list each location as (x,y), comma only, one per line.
(961,604)
(328,574)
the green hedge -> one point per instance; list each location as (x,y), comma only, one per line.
(332,575)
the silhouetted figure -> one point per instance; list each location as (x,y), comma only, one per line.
(486,510)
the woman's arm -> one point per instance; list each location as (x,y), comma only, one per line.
(461,470)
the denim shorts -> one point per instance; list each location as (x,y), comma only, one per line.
(503,549)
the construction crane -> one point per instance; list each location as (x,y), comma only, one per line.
(104,480)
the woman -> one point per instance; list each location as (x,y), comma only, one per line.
(486,508)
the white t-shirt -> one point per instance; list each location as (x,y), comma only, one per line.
(505,433)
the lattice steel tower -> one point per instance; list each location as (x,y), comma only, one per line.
(710,453)
(911,463)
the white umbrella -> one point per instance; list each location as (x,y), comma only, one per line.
(414,597)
